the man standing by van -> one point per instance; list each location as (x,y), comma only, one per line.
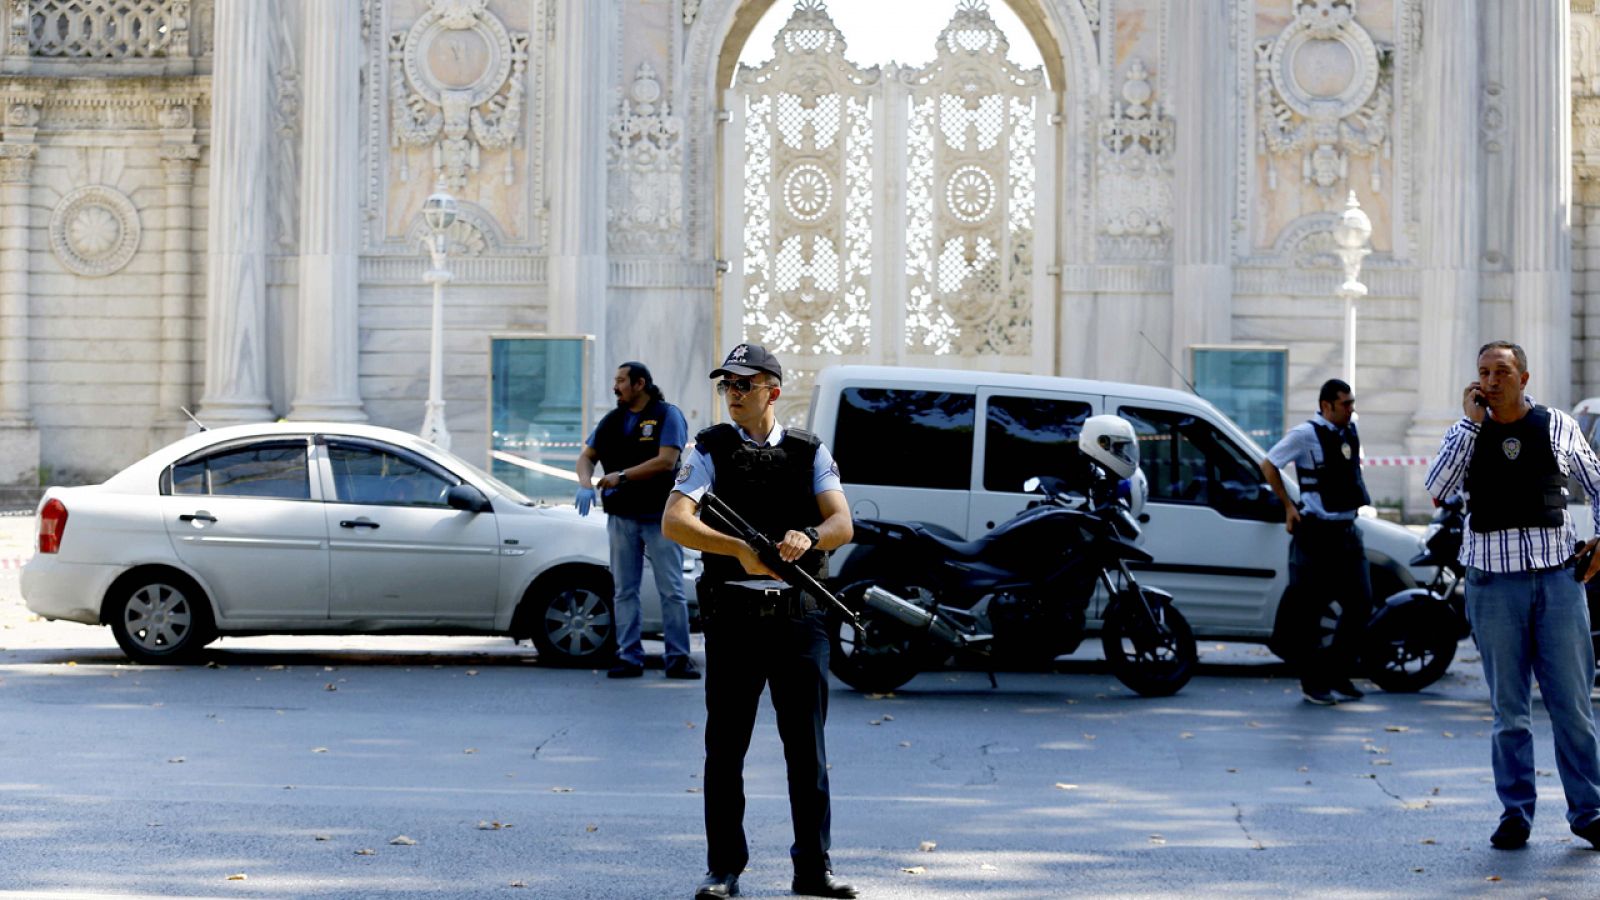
(1327,560)
(638,445)
(1524,597)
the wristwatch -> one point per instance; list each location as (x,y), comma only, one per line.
(811,533)
(622,475)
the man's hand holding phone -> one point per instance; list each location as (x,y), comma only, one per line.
(1473,403)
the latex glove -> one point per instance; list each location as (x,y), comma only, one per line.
(585,500)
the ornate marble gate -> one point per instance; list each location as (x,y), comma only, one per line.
(889,215)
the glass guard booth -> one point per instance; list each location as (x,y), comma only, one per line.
(539,411)
(1248,383)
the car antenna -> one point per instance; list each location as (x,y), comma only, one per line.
(197,422)
(1186,382)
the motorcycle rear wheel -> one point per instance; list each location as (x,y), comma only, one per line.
(885,655)
(1410,647)
(1154,659)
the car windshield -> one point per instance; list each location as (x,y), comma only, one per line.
(500,487)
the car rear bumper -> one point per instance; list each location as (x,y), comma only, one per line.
(66,590)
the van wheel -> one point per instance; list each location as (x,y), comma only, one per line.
(160,617)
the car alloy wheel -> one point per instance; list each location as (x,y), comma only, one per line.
(161,619)
(572,624)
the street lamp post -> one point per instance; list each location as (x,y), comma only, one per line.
(439,211)
(1351,235)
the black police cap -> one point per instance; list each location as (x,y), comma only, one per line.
(748,359)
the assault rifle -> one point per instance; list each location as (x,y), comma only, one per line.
(768,553)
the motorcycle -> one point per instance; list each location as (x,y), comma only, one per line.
(1411,639)
(1020,594)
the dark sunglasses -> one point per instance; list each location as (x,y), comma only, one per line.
(740,386)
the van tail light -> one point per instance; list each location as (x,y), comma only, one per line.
(52,525)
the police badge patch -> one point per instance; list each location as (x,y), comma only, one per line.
(648,428)
(684,472)
(1345,449)
(1511,447)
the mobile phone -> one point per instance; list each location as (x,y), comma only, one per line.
(1479,400)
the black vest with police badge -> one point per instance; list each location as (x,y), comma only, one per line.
(1338,480)
(619,448)
(1513,480)
(771,487)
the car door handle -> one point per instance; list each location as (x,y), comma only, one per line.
(358,523)
(197,517)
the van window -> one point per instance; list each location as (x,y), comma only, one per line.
(1028,436)
(905,438)
(1188,460)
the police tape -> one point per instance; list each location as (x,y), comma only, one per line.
(1396,460)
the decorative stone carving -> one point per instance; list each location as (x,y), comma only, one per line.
(645,158)
(691,8)
(16,162)
(1135,169)
(284,175)
(1324,89)
(22,114)
(100,29)
(94,230)
(456,84)
(1307,242)
(1492,125)
(1091,11)
(467,236)
(178,162)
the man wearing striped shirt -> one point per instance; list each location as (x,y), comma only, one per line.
(1529,615)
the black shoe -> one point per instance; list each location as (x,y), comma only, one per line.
(625,670)
(1590,833)
(1346,690)
(1319,696)
(1513,833)
(684,669)
(822,884)
(716,887)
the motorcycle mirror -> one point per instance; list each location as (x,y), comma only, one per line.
(1031,485)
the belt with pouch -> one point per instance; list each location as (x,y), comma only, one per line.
(765,599)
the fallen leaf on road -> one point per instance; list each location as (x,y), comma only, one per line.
(274,668)
(905,743)
(1543,773)
(561,790)
(470,750)
(591,828)
(1233,771)
(1417,869)
(321,837)
(1088,737)
(472,671)
(927,846)
(403,841)
(1157,839)
(175,759)
(693,790)
(366,851)
(330,686)
(1429,841)
(875,722)
(888,718)
(492,826)
(1303,769)
(319,749)
(1066,787)
(989,868)
(1253,724)
(1397,728)
(1187,735)
(1383,762)
(516,884)
(1448,734)
(238,876)
(914,870)
(688,724)
(1492,878)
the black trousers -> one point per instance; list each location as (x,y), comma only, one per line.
(789,655)
(1327,562)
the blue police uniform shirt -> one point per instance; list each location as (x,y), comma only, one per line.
(674,430)
(1301,447)
(697,474)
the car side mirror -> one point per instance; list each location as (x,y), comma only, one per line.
(467,498)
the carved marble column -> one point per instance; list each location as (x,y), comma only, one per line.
(177,273)
(326,385)
(236,289)
(1541,192)
(581,74)
(19,437)
(1450,209)
(1203,178)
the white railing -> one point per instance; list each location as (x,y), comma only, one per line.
(102,29)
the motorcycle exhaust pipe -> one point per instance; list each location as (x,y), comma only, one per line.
(908,613)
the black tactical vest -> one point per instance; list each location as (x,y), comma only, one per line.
(1338,480)
(620,447)
(771,487)
(1513,480)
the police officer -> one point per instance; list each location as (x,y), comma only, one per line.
(1327,560)
(1528,612)
(760,632)
(638,445)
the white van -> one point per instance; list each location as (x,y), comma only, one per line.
(951,449)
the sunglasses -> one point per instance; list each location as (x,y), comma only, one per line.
(740,386)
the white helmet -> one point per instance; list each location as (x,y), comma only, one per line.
(1110,441)
(1138,492)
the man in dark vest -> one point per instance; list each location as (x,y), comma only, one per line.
(1327,560)
(638,445)
(759,631)
(1525,597)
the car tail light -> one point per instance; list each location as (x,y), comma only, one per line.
(52,525)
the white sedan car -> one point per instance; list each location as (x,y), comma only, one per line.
(300,528)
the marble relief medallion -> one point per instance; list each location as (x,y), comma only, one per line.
(94,230)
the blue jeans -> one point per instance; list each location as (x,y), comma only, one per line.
(1537,623)
(631,539)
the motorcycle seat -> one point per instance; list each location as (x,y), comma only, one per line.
(963,549)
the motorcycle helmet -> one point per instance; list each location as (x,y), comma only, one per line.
(1135,490)
(1110,441)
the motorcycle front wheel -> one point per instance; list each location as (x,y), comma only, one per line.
(882,656)
(1153,656)
(1409,647)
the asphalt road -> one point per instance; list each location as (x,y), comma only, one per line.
(297,763)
